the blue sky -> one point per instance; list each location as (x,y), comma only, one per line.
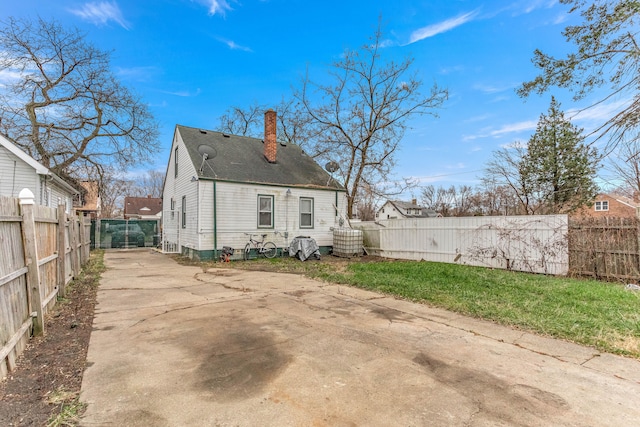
(193,59)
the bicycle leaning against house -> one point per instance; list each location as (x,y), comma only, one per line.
(268,249)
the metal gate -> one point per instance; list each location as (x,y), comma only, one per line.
(122,234)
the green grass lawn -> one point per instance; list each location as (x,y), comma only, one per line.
(599,314)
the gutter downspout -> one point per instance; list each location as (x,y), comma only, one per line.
(215,223)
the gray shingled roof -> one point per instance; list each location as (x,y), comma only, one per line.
(241,159)
(426,213)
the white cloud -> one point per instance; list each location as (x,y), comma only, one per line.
(492,88)
(510,128)
(8,76)
(480,118)
(136,73)
(184,93)
(561,18)
(599,112)
(452,69)
(539,4)
(217,7)
(234,46)
(100,13)
(441,27)
(514,128)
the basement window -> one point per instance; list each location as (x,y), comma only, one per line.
(602,206)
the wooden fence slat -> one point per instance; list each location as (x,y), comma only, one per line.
(8,347)
(62,283)
(31,260)
(9,277)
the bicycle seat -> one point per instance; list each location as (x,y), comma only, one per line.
(264,236)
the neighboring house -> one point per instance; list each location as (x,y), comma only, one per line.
(90,202)
(142,207)
(395,209)
(609,205)
(218,187)
(18,170)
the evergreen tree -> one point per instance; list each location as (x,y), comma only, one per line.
(559,168)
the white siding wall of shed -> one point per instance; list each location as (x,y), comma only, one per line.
(15,175)
(58,196)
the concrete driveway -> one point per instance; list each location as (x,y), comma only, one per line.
(176,346)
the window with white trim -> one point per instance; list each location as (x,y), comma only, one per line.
(175,161)
(602,205)
(265,211)
(306,212)
(184,211)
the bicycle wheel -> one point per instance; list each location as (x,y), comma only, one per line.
(269,249)
(247,252)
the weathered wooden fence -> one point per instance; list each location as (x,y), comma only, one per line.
(41,250)
(605,248)
(523,243)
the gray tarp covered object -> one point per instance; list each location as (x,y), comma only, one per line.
(304,248)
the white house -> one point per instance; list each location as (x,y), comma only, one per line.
(395,209)
(218,187)
(18,170)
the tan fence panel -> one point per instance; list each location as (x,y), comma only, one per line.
(15,318)
(38,226)
(605,248)
(47,245)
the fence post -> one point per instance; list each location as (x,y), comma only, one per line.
(31,259)
(96,235)
(73,237)
(62,249)
(637,252)
(83,238)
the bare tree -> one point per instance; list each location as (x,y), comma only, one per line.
(113,188)
(150,184)
(505,170)
(439,199)
(493,198)
(626,165)
(360,117)
(66,108)
(243,121)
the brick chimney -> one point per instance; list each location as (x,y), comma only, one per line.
(270,143)
(414,202)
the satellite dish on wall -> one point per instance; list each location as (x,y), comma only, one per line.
(331,167)
(207,152)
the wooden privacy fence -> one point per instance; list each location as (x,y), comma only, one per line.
(605,248)
(536,243)
(41,250)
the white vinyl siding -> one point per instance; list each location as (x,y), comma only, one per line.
(236,214)
(15,175)
(175,187)
(306,212)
